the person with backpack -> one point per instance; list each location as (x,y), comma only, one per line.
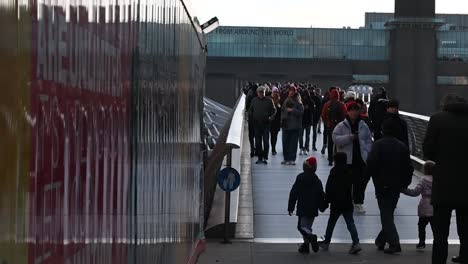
(333,113)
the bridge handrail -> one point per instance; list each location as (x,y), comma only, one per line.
(417,125)
(234,138)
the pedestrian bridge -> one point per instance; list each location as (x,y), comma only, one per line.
(260,206)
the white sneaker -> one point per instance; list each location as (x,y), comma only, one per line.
(359,208)
(306,152)
(301,152)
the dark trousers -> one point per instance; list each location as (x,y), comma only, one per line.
(325,136)
(304,225)
(307,138)
(314,135)
(331,149)
(422,224)
(251,135)
(262,141)
(387,204)
(274,138)
(348,216)
(359,182)
(290,141)
(441,227)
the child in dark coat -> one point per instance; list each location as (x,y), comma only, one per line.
(425,209)
(307,191)
(339,195)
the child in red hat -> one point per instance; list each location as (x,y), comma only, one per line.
(307,191)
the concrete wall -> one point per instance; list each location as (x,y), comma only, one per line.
(413,69)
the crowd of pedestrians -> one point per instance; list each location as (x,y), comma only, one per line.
(363,144)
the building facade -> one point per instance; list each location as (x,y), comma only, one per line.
(344,57)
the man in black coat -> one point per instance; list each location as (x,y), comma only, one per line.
(262,111)
(389,165)
(377,112)
(393,115)
(446,144)
(307,191)
(251,94)
(316,98)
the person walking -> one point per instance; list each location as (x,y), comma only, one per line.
(389,164)
(425,209)
(251,94)
(316,98)
(291,123)
(333,113)
(262,110)
(353,137)
(393,115)
(377,111)
(444,143)
(304,135)
(275,125)
(307,192)
(338,193)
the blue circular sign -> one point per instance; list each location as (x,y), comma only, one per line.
(228,179)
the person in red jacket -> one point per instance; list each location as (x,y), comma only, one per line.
(333,112)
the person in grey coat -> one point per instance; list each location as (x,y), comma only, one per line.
(425,209)
(353,137)
(291,123)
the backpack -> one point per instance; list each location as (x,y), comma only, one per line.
(334,114)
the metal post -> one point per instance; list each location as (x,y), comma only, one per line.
(227,203)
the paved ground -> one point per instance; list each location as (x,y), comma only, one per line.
(258,253)
(276,237)
(271,185)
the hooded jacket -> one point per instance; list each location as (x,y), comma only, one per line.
(343,139)
(424,188)
(402,133)
(307,191)
(334,97)
(339,189)
(445,143)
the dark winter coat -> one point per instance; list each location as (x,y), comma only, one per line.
(377,112)
(317,109)
(262,111)
(309,108)
(275,125)
(307,191)
(389,164)
(339,188)
(292,120)
(402,133)
(445,144)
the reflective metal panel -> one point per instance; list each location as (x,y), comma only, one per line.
(100,117)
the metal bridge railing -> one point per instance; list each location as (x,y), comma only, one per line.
(417,126)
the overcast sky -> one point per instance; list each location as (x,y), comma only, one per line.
(302,13)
